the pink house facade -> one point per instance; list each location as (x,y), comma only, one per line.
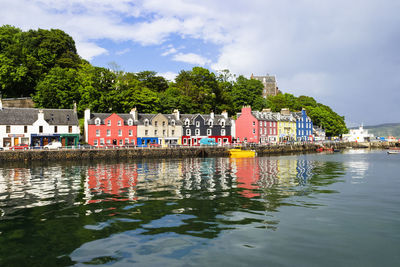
(256,127)
(103,129)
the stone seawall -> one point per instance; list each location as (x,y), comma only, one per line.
(183,152)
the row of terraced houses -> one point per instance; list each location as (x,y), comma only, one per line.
(38,127)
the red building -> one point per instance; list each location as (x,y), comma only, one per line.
(110,129)
(256,127)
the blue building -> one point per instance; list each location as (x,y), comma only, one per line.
(304,126)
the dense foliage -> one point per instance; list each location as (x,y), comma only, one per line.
(320,114)
(44,64)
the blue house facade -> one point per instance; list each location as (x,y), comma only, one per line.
(304,126)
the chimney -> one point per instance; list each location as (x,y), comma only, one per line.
(86,127)
(266,110)
(176,114)
(285,111)
(225,114)
(41,115)
(246,110)
(75,107)
(134,113)
(1,103)
(212,114)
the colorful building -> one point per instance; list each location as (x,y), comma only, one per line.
(110,129)
(199,126)
(304,126)
(286,126)
(256,127)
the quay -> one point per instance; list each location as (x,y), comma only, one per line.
(177,152)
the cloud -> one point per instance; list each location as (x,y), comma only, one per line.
(170,76)
(191,58)
(169,51)
(122,52)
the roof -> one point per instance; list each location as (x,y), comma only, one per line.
(27,116)
(103,116)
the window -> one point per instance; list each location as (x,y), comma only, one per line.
(197,132)
(101,141)
(197,124)
(223,123)
(108,132)
(265,123)
(97,132)
(173,123)
(260,123)
(254,123)
(184,141)
(172,132)
(70,129)
(156,123)
(119,123)
(119,132)
(163,132)
(260,130)
(120,142)
(132,141)
(109,122)
(95,142)
(40,129)
(210,122)
(126,141)
(146,122)
(108,142)
(223,132)
(8,129)
(254,131)
(155,132)
(208,132)
(130,132)
(146,132)
(163,123)
(130,122)
(187,122)
(97,121)
(187,131)
(25,129)
(55,129)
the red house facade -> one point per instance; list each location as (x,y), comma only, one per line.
(256,127)
(104,129)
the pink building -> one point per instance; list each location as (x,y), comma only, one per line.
(256,127)
(110,129)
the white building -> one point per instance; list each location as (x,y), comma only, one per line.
(38,127)
(358,135)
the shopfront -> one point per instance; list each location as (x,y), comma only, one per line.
(69,139)
(42,140)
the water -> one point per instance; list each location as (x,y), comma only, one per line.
(337,209)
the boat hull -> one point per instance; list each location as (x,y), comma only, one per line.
(238,153)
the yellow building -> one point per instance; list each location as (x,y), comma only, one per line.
(286,126)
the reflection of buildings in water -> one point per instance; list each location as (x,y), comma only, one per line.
(156,176)
(357,170)
(287,172)
(118,180)
(26,188)
(304,171)
(268,172)
(247,174)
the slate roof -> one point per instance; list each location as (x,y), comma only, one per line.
(265,116)
(216,121)
(27,116)
(103,116)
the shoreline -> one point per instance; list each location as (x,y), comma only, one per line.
(181,152)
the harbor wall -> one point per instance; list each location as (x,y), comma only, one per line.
(181,152)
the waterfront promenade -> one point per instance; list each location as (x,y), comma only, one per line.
(176,152)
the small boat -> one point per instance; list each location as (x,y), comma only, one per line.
(393,152)
(239,153)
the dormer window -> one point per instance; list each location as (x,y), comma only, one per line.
(187,122)
(197,124)
(130,122)
(173,123)
(210,123)
(146,122)
(223,123)
(109,123)
(97,121)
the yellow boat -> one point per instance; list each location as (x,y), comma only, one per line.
(239,153)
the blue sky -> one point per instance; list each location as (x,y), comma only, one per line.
(342,53)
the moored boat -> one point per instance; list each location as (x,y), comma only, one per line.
(239,153)
(393,151)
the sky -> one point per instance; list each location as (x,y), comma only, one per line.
(343,53)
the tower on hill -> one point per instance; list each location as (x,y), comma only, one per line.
(269,82)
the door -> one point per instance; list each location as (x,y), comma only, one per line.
(16,141)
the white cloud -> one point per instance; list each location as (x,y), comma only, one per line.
(170,76)
(169,51)
(122,52)
(191,58)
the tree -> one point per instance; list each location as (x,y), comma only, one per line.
(247,92)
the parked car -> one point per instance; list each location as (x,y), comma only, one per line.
(208,142)
(53,145)
(1,149)
(20,146)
